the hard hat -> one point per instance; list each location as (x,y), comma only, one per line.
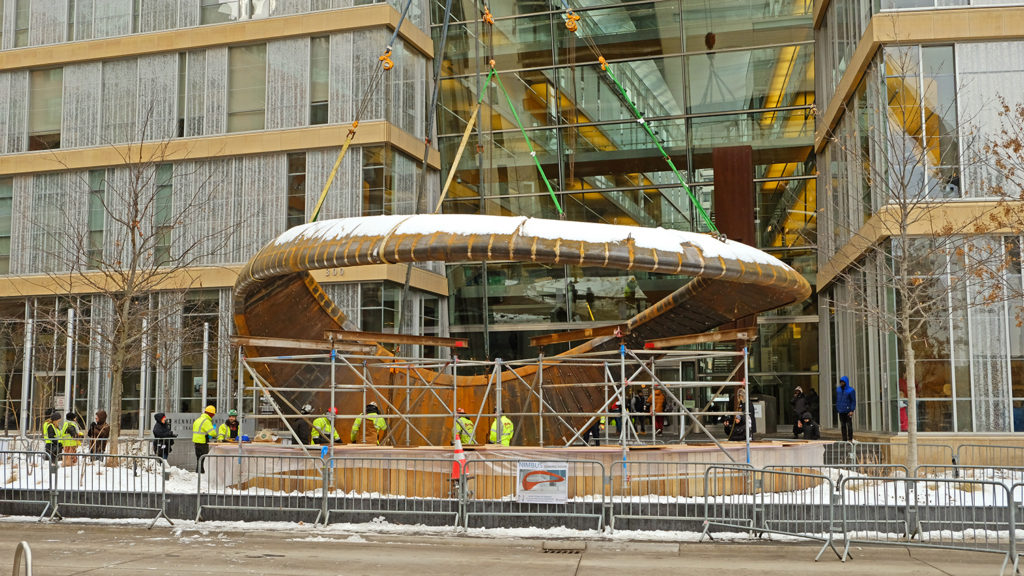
(460,411)
(332,410)
(211,410)
(232,412)
(306,409)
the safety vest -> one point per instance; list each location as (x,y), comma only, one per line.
(69,435)
(51,433)
(506,432)
(224,433)
(323,424)
(202,429)
(463,430)
(378,423)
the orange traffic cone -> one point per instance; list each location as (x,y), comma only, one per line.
(460,460)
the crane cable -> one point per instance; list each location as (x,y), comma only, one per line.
(573,23)
(384,63)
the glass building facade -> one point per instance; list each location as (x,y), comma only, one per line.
(921,114)
(707,76)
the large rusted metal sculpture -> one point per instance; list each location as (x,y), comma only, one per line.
(276,296)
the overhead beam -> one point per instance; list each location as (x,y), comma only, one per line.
(719,336)
(322,345)
(354,336)
(585,334)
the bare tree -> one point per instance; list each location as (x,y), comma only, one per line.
(135,239)
(905,260)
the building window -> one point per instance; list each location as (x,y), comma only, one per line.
(6,206)
(377,193)
(319,75)
(44,108)
(247,87)
(163,214)
(71,19)
(97,217)
(296,189)
(378,302)
(182,85)
(218,11)
(22,9)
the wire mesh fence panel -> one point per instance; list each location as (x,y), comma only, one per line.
(729,498)
(25,478)
(975,515)
(670,493)
(874,510)
(131,484)
(408,490)
(992,456)
(248,484)
(535,493)
(873,453)
(796,504)
(837,472)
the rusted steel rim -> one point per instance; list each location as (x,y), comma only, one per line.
(460,238)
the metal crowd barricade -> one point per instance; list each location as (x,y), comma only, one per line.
(836,472)
(25,477)
(991,456)
(134,483)
(1017,505)
(1007,475)
(503,489)
(407,488)
(246,482)
(873,453)
(969,515)
(729,498)
(797,504)
(659,490)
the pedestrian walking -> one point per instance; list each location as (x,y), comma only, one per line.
(228,431)
(162,436)
(380,426)
(846,404)
(202,432)
(639,409)
(70,438)
(98,433)
(52,435)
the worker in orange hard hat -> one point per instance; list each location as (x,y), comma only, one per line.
(202,432)
(323,428)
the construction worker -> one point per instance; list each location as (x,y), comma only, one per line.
(52,435)
(70,434)
(506,432)
(202,432)
(322,429)
(463,429)
(301,425)
(228,431)
(379,424)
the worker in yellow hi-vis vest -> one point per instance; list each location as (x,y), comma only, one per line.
(202,432)
(371,435)
(506,431)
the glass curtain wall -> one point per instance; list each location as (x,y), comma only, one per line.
(706,75)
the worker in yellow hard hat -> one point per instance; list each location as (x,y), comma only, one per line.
(202,432)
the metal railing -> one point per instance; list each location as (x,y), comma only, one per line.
(969,515)
(118,482)
(770,501)
(504,489)
(992,456)
(870,453)
(22,553)
(25,477)
(659,490)
(365,488)
(247,483)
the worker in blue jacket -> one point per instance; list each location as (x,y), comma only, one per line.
(846,403)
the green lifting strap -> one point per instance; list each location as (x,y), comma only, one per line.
(647,128)
(529,145)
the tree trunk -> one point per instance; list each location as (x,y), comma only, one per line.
(911,377)
(117,360)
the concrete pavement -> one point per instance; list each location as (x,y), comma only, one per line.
(73,547)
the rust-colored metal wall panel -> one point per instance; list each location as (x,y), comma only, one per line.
(734,192)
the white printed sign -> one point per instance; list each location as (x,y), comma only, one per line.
(542,482)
